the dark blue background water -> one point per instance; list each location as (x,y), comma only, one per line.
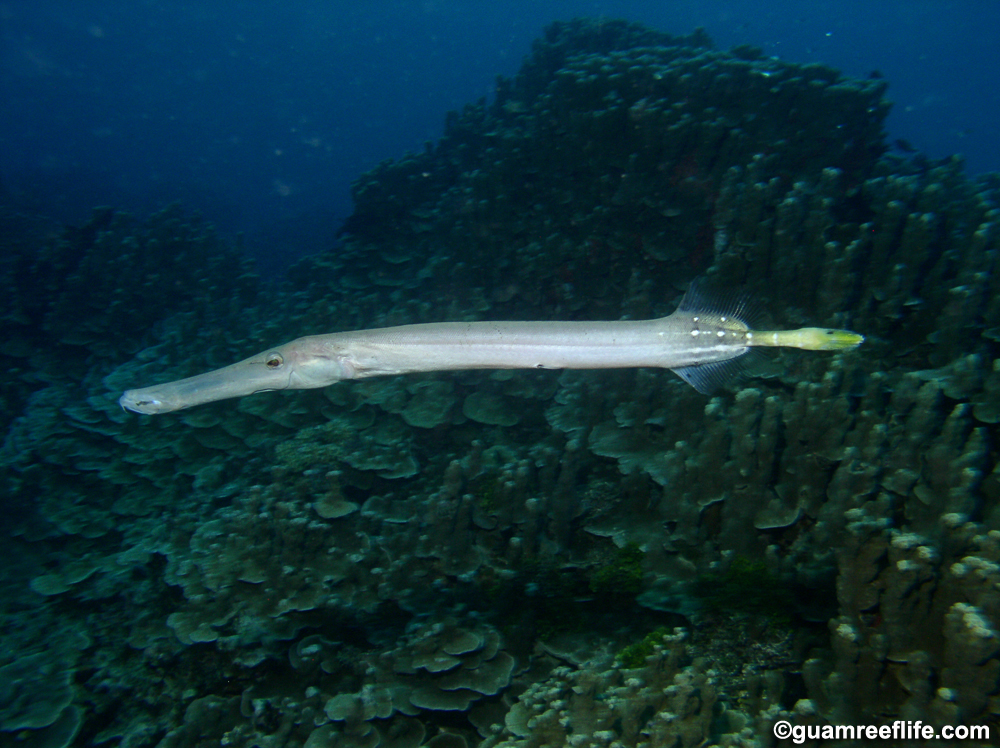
(261,113)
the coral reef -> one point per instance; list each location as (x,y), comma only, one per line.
(457,559)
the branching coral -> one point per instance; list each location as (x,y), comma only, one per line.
(295,569)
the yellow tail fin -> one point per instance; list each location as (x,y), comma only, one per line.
(807,338)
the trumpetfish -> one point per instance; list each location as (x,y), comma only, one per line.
(697,342)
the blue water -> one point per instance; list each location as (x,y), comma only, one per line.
(260,114)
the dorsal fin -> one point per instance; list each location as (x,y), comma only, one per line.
(736,305)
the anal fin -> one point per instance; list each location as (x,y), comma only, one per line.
(706,378)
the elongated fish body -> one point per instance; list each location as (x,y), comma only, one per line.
(671,342)
(698,344)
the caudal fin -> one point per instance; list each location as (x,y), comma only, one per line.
(807,338)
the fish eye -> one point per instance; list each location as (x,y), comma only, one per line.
(274,360)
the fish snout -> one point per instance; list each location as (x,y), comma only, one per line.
(132,400)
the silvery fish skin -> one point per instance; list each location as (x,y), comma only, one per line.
(695,342)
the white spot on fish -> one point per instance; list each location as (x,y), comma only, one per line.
(694,333)
(721,333)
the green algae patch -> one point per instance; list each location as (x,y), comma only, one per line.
(634,655)
(622,575)
(747,587)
